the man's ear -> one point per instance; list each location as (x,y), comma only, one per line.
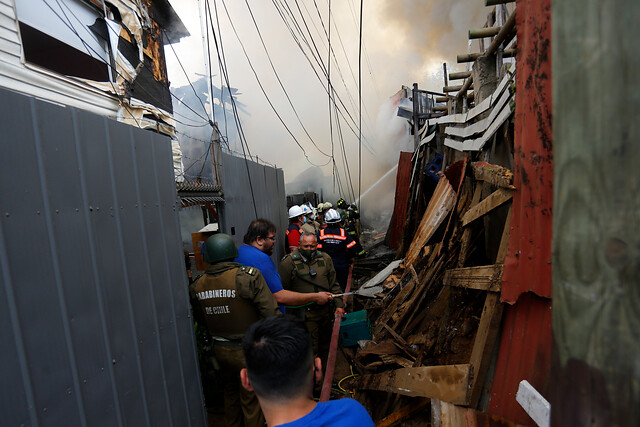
(317,367)
(244,379)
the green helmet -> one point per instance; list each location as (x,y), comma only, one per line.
(220,247)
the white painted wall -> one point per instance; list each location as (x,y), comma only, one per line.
(41,83)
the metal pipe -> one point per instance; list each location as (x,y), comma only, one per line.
(442,99)
(470,57)
(333,347)
(438,108)
(484,32)
(495,2)
(458,76)
(465,87)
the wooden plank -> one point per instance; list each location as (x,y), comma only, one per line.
(534,404)
(493,174)
(440,205)
(466,233)
(402,413)
(449,383)
(483,278)
(483,344)
(444,414)
(504,241)
(401,342)
(392,307)
(495,199)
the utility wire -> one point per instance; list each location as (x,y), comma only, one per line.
(360,109)
(233,103)
(280,81)
(344,110)
(185,74)
(264,92)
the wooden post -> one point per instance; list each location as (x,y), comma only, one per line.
(416,128)
(596,220)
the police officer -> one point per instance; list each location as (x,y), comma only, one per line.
(341,247)
(308,270)
(228,298)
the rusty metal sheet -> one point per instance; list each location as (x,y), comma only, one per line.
(525,354)
(403,178)
(528,263)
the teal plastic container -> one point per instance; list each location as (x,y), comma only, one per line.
(355,327)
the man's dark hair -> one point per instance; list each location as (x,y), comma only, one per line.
(258,228)
(278,356)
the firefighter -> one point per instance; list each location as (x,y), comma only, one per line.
(308,270)
(341,247)
(296,215)
(310,225)
(353,215)
(228,298)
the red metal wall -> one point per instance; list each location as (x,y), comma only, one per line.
(528,263)
(525,354)
(525,343)
(403,178)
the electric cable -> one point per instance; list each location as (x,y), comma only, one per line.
(262,87)
(360,105)
(279,81)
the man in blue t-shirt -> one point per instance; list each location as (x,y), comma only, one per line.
(280,368)
(258,246)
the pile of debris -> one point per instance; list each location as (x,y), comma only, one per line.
(436,320)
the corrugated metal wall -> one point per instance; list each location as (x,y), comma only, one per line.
(95,327)
(525,345)
(269,194)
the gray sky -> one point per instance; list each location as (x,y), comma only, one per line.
(405,41)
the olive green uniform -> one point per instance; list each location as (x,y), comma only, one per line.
(228,299)
(294,273)
(310,227)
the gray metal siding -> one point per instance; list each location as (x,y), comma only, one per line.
(270,199)
(94,313)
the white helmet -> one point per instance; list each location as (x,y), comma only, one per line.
(331,216)
(328,205)
(306,209)
(295,211)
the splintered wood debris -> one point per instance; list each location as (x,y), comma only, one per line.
(437,320)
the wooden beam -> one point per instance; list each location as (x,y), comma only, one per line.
(495,199)
(460,75)
(402,413)
(484,32)
(504,241)
(470,57)
(493,174)
(483,345)
(484,278)
(440,205)
(465,241)
(448,383)
(393,306)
